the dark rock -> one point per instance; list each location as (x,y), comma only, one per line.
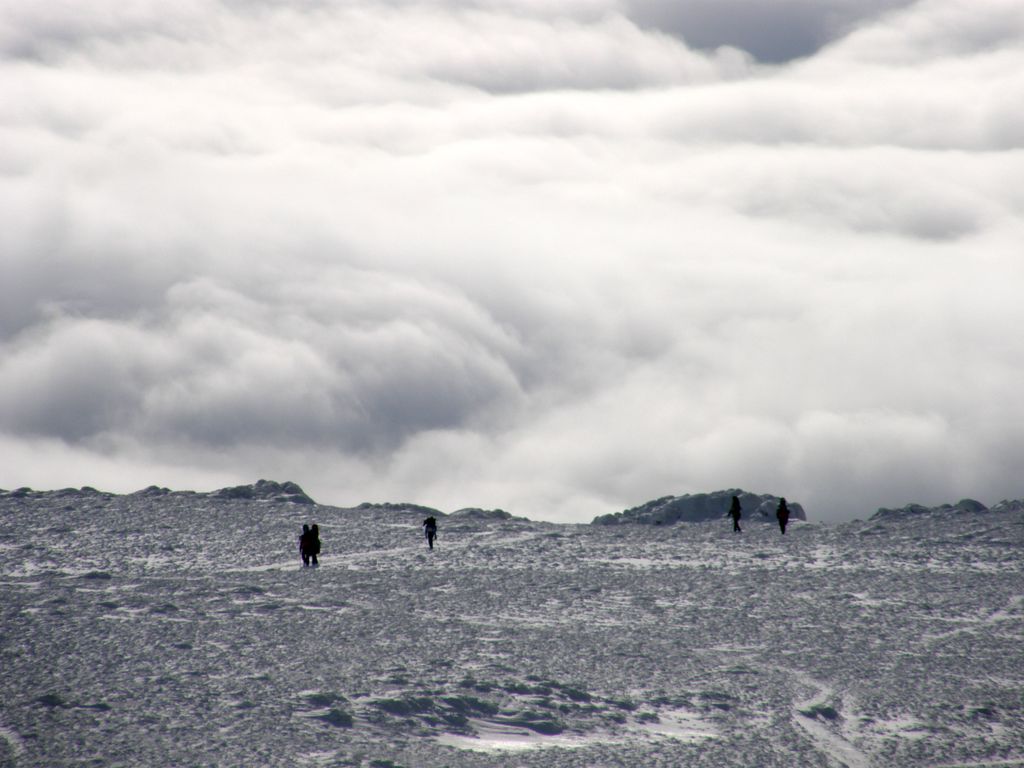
(336,718)
(406,707)
(324,699)
(152,490)
(470,705)
(820,710)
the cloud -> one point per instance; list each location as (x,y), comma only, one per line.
(772,32)
(938,29)
(553,257)
(360,367)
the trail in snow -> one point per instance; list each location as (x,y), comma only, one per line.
(820,716)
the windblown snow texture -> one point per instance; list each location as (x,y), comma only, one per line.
(168,629)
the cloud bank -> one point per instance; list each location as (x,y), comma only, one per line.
(558,258)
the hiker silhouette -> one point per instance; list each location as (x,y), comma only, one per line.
(430,530)
(304,545)
(736,513)
(782,513)
(314,545)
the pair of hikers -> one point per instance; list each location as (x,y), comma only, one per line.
(309,545)
(736,512)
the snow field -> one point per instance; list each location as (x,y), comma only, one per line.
(180,630)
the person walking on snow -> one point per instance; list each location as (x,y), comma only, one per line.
(314,545)
(304,546)
(430,530)
(736,513)
(782,513)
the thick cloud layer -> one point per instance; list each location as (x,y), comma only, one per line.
(559,258)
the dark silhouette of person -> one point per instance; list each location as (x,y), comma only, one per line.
(782,513)
(314,545)
(430,530)
(735,512)
(304,546)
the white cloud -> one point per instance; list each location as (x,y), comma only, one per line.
(538,256)
(936,30)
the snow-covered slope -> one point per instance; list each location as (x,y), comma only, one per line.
(701,508)
(169,629)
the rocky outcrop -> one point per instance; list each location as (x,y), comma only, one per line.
(265,490)
(475,513)
(700,508)
(1007,505)
(964,505)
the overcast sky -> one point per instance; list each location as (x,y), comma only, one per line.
(555,256)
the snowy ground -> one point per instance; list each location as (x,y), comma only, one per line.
(180,630)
